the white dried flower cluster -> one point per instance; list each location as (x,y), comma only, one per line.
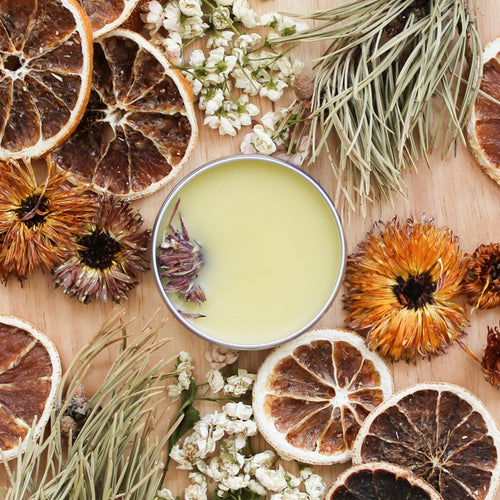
(235,385)
(267,138)
(219,357)
(216,453)
(165,494)
(184,375)
(237,64)
(238,385)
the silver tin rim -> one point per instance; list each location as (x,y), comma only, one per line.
(156,236)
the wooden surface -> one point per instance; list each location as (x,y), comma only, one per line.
(455,192)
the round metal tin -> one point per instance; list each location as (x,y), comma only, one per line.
(158,236)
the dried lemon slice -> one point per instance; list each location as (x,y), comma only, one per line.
(484,124)
(380,481)
(442,433)
(106,15)
(30,372)
(45,74)
(139,128)
(312,394)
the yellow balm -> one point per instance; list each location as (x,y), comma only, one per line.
(272,245)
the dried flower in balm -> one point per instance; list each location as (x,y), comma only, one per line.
(400,286)
(482,281)
(180,261)
(108,255)
(38,221)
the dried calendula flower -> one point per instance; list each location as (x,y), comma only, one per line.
(109,253)
(180,260)
(482,280)
(400,286)
(38,221)
(490,363)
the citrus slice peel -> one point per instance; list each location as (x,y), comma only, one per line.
(139,128)
(30,373)
(45,75)
(312,394)
(440,431)
(380,481)
(483,130)
(107,15)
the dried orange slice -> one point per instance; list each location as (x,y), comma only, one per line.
(106,15)
(139,128)
(484,125)
(45,74)
(442,433)
(380,481)
(312,394)
(30,372)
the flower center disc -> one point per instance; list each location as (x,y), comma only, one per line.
(33,210)
(416,291)
(99,250)
(495,270)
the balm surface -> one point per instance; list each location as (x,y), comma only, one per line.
(271,245)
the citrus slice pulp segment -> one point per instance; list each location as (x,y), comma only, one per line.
(312,394)
(30,372)
(106,15)
(442,433)
(139,128)
(380,481)
(484,125)
(45,74)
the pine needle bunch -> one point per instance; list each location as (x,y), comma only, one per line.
(114,455)
(397,77)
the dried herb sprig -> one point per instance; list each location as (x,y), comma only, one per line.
(374,87)
(115,454)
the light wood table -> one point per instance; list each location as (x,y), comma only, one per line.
(455,192)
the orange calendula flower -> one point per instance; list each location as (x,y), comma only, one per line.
(482,280)
(37,220)
(400,286)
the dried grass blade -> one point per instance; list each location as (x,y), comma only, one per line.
(110,456)
(401,57)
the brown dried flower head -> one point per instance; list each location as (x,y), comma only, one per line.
(400,286)
(303,87)
(482,280)
(180,259)
(75,415)
(490,363)
(108,255)
(38,222)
